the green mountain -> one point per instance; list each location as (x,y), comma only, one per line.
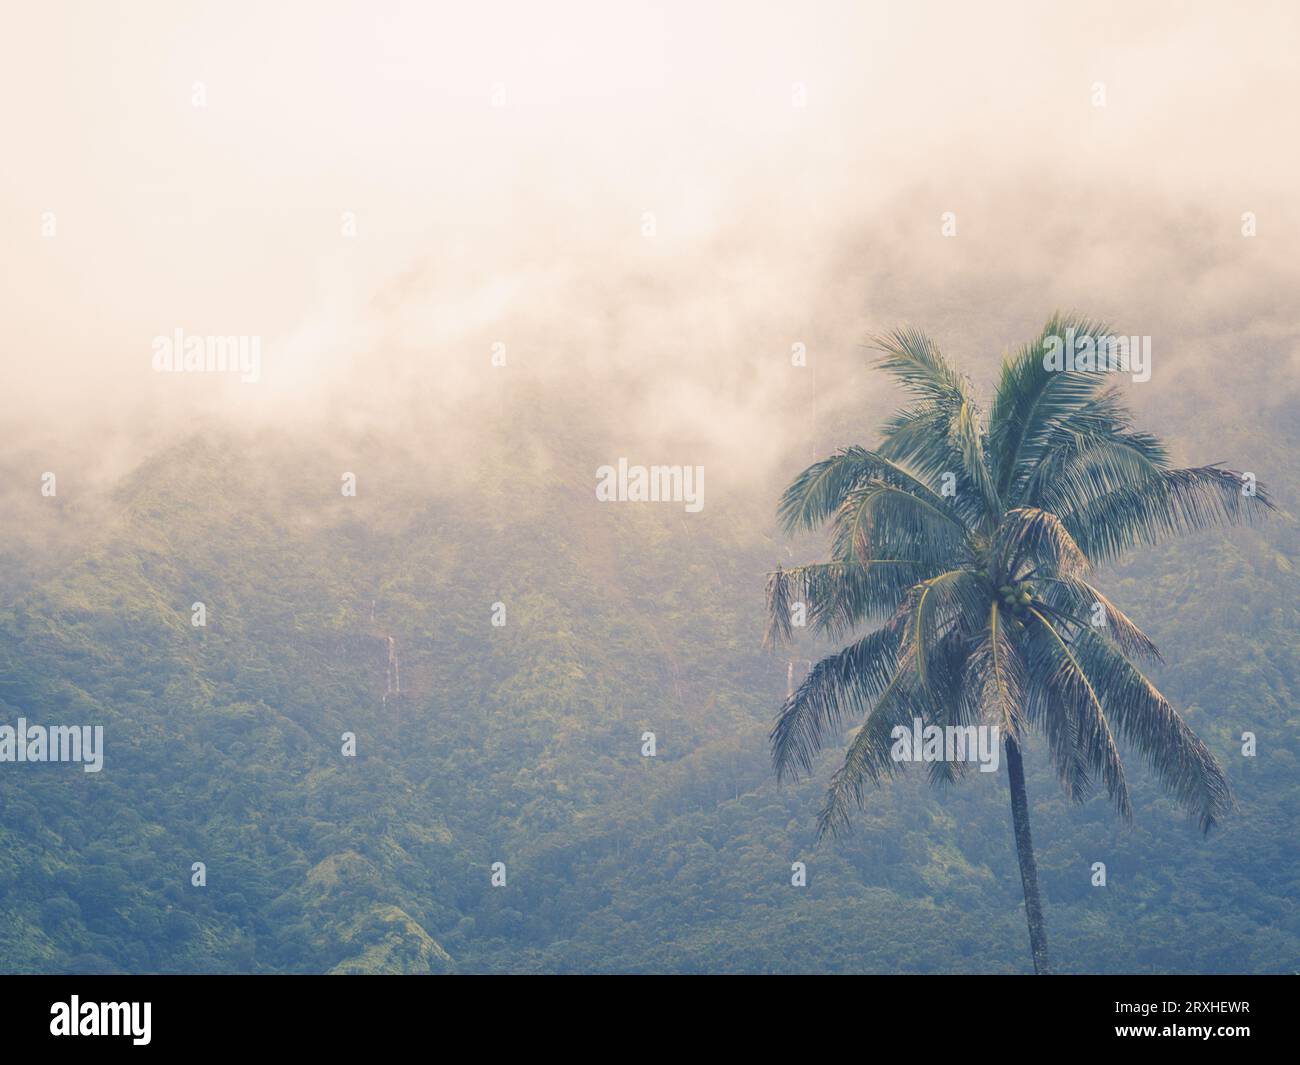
(522,743)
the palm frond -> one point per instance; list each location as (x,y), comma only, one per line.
(934,608)
(1032,398)
(947,700)
(995,671)
(875,519)
(838,596)
(836,689)
(1080,597)
(1040,538)
(819,491)
(869,757)
(1079,468)
(1177,502)
(915,361)
(1146,721)
(1089,749)
(942,437)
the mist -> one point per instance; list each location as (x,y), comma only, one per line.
(641,211)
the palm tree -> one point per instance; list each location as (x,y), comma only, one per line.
(968,542)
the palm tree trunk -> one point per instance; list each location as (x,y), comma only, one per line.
(1025,852)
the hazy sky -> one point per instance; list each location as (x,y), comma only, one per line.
(499,167)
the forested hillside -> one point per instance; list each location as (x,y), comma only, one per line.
(521,743)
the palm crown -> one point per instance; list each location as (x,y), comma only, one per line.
(969,542)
